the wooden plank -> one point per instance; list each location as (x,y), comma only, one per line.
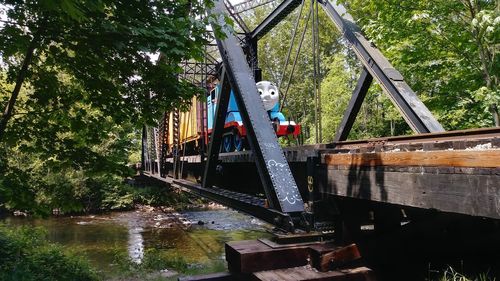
(452,158)
(334,259)
(476,195)
(221,276)
(253,255)
(306,273)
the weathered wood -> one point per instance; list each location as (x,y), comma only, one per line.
(471,194)
(460,158)
(306,273)
(222,276)
(341,256)
(289,239)
(252,255)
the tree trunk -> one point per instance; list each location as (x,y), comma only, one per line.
(7,114)
(393,127)
(496,115)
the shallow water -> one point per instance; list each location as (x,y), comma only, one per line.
(197,237)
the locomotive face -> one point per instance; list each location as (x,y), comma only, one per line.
(268,93)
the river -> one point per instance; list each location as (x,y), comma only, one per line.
(195,237)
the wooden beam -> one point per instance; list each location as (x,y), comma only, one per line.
(463,193)
(221,276)
(305,273)
(335,258)
(253,255)
(459,158)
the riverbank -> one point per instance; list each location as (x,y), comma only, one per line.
(132,194)
(139,232)
(162,242)
(150,243)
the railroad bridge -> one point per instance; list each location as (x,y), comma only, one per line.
(406,186)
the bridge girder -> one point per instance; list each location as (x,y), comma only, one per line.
(274,171)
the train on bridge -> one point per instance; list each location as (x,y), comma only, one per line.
(432,190)
(192,128)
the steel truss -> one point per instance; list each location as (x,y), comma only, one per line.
(250,5)
(279,185)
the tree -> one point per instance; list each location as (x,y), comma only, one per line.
(297,96)
(339,71)
(77,79)
(104,47)
(447,51)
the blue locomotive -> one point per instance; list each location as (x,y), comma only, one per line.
(234,137)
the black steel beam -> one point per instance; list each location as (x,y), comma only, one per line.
(358,96)
(416,114)
(218,129)
(278,182)
(283,10)
(251,51)
(243,202)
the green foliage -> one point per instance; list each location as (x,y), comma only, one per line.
(155,260)
(92,83)
(448,52)
(25,254)
(66,174)
(159,196)
(103,48)
(110,194)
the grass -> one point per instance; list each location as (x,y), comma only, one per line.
(451,274)
(153,262)
(25,254)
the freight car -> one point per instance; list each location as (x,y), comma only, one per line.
(195,125)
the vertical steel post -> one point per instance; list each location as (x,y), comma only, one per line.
(358,96)
(217,131)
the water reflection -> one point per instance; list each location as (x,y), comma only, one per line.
(198,237)
(135,244)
